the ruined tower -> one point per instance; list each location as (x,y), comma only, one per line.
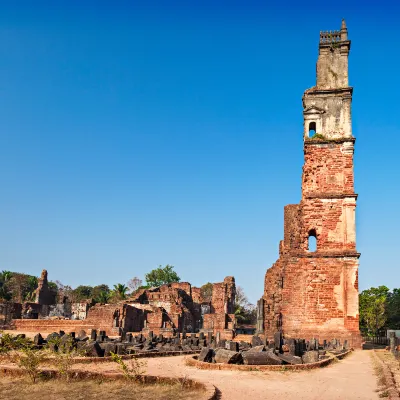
(313,292)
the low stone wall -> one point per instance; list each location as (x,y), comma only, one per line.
(193,362)
(50,325)
(210,392)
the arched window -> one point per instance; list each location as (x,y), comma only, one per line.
(312,240)
(312,129)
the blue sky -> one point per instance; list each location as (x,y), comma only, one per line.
(134,134)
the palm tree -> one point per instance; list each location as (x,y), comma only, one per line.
(120,291)
(6,275)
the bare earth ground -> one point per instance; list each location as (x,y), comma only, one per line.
(19,388)
(350,378)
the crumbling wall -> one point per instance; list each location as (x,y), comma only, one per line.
(314,292)
(44,294)
(9,311)
(223,296)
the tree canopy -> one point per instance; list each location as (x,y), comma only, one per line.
(379,309)
(245,312)
(161,276)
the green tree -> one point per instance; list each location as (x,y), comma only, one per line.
(99,289)
(5,293)
(21,286)
(161,276)
(245,312)
(82,292)
(393,309)
(206,292)
(103,297)
(373,315)
(120,291)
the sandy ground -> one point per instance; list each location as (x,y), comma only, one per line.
(351,378)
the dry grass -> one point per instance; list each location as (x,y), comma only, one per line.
(21,388)
(378,369)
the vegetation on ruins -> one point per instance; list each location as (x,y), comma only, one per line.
(206,291)
(245,312)
(119,292)
(161,276)
(379,309)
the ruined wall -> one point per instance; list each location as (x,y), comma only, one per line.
(223,296)
(9,311)
(44,294)
(314,292)
(115,317)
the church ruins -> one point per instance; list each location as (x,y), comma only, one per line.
(313,292)
(165,310)
(310,292)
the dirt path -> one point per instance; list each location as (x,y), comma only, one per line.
(351,378)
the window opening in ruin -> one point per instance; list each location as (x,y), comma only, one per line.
(279,322)
(282,282)
(312,241)
(312,129)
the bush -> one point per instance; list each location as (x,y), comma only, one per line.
(132,371)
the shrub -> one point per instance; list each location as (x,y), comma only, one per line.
(132,371)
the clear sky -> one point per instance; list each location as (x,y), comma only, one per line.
(134,134)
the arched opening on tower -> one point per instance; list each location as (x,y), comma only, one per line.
(312,129)
(312,240)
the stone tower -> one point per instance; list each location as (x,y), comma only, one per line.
(313,292)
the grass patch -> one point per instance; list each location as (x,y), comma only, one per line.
(56,389)
(381,380)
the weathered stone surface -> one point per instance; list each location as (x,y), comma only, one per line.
(261,358)
(38,340)
(232,346)
(206,354)
(303,275)
(290,359)
(91,349)
(81,334)
(310,357)
(257,349)
(228,357)
(256,341)
(108,348)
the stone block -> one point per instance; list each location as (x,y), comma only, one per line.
(310,357)
(228,357)
(206,355)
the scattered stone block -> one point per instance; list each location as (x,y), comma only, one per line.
(206,355)
(232,346)
(228,357)
(261,358)
(92,349)
(38,340)
(256,341)
(290,359)
(310,357)
(257,349)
